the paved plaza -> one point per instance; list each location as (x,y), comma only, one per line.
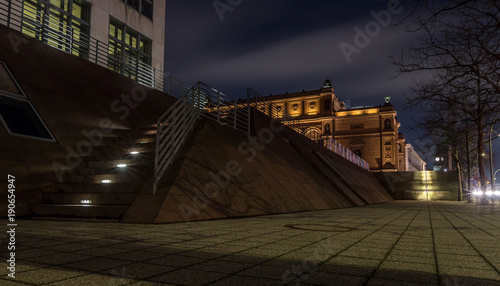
(395,243)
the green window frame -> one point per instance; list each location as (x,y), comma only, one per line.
(63,24)
(145,7)
(129,50)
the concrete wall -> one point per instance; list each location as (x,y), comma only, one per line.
(282,172)
(154,30)
(71,95)
(413,185)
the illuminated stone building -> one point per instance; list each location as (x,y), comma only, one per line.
(413,160)
(370,132)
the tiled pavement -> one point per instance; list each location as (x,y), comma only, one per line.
(396,243)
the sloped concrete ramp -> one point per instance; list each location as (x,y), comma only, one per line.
(223,173)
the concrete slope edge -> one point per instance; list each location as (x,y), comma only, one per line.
(278,180)
(146,206)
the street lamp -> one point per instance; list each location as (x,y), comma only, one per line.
(493,179)
(491,159)
(491,152)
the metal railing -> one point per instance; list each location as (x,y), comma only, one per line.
(172,129)
(338,148)
(219,107)
(177,122)
(61,36)
(262,104)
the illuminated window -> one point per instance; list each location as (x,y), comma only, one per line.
(387,124)
(63,24)
(129,51)
(313,134)
(16,111)
(145,7)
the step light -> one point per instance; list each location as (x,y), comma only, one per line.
(121,165)
(134,152)
(86,202)
(106,181)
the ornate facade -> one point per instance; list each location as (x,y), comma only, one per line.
(371,132)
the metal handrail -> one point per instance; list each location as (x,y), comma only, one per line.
(267,107)
(174,125)
(63,37)
(332,145)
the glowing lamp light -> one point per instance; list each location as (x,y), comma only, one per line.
(106,181)
(85,202)
(489,193)
(497,193)
(121,165)
(134,152)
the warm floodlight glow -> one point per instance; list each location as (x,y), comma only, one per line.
(134,152)
(121,165)
(106,181)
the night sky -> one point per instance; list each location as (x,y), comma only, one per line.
(286,46)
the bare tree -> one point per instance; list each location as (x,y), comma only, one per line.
(459,47)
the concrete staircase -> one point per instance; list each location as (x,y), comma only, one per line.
(98,187)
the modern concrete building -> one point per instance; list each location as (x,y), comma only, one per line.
(127,36)
(370,132)
(443,159)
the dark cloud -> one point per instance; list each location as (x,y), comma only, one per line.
(279,46)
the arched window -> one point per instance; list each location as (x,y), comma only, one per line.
(327,128)
(387,124)
(313,134)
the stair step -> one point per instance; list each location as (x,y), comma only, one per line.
(79,210)
(94,199)
(112,188)
(82,219)
(107,176)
